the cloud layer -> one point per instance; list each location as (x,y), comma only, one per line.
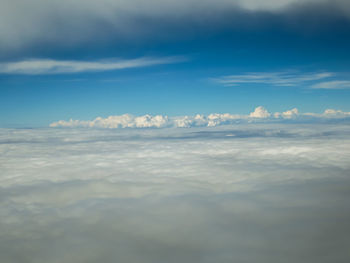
(65,23)
(249,193)
(260,114)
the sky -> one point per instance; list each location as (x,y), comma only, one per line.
(82,60)
(174,131)
(255,193)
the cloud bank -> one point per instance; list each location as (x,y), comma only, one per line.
(249,193)
(260,114)
(37,23)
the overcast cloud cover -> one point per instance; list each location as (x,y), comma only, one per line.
(26,24)
(236,193)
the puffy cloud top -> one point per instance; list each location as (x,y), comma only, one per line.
(289,114)
(212,120)
(260,112)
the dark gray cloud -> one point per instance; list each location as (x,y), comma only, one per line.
(170,195)
(28,24)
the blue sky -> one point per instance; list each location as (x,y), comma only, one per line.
(63,59)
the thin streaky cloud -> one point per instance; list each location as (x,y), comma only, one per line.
(273,78)
(51,66)
(337,84)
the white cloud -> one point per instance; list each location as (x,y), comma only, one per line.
(159,121)
(313,80)
(289,114)
(260,112)
(328,114)
(274,78)
(49,66)
(122,121)
(273,5)
(336,84)
(147,121)
(175,195)
(216,119)
(184,122)
(337,113)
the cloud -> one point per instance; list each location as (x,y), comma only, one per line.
(289,114)
(158,121)
(248,193)
(274,78)
(336,113)
(49,66)
(330,114)
(260,114)
(63,23)
(313,80)
(336,84)
(122,121)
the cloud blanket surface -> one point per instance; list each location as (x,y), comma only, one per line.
(242,193)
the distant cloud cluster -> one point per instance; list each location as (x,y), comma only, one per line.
(260,114)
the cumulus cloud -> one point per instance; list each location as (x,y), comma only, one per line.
(215,119)
(148,121)
(122,121)
(259,112)
(46,66)
(251,193)
(289,114)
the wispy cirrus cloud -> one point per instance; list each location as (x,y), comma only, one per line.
(336,84)
(51,66)
(274,78)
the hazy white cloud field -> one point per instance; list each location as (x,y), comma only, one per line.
(235,193)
